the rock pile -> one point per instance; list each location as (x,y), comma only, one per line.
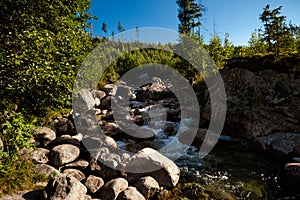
(86,163)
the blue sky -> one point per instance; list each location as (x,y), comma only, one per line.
(237,17)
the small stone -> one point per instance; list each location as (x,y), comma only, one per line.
(79,175)
(94,183)
(80,164)
(113,188)
(131,193)
(46,170)
(40,155)
(111,129)
(146,185)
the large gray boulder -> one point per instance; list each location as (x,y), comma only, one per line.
(150,162)
(65,187)
(260,103)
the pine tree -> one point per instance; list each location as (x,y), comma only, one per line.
(277,34)
(120,27)
(189,14)
(104,28)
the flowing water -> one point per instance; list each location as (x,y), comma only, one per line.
(234,169)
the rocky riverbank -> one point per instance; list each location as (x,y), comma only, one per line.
(88,155)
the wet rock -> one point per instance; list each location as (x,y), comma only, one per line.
(169,129)
(173,115)
(139,120)
(79,175)
(40,155)
(131,193)
(64,187)
(283,142)
(150,162)
(113,188)
(45,135)
(46,170)
(147,186)
(93,183)
(64,154)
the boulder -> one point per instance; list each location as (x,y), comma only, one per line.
(40,155)
(46,170)
(64,154)
(155,91)
(84,101)
(113,188)
(259,103)
(105,103)
(150,162)
(63,140)
(65,187)
(111,129)
(131,193)
(93,183)
(65,126)
(45,135)
(79,175)
(173,115)
(147,186)
(286,143)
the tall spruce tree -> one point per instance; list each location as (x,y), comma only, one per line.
(189,14)
(277,34)
(120,27)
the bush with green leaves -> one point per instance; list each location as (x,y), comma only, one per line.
(16,173)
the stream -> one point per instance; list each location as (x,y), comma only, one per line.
(234,169)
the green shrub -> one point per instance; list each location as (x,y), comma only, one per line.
(15,173)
